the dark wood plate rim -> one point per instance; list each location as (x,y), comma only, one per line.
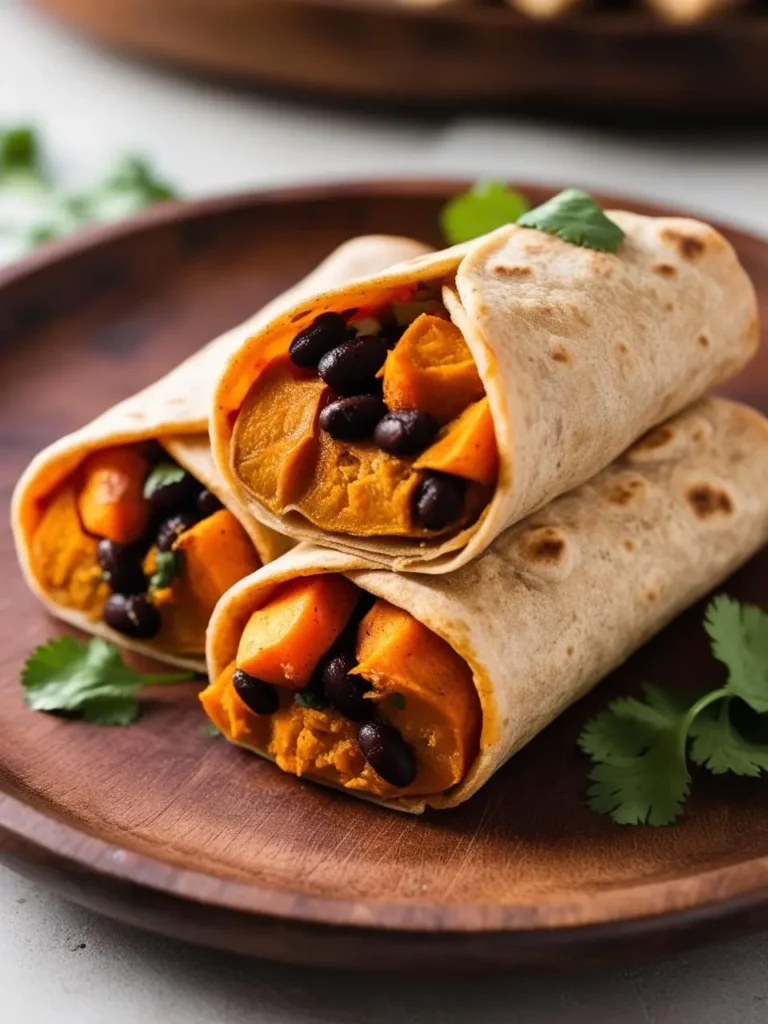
(680,903)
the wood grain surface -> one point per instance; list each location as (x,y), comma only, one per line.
(599,60)
(164,826)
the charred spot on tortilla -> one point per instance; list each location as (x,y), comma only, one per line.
(512,270)
(690,247)
(669,307)
(629,544)
(545,544)
(560,354)
(664,269)
(707,501)
(626,489)
(651,595)
(703,340)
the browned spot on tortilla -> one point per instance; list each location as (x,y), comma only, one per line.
(622,347)
(533,248)
(668,307)
(703,340)
(569,650)
(560,354)
(689,246)
(512,270)
(650,595)
(546,544)
(708,501)
(624,491)
(656,438)
(664,269)
(629,544)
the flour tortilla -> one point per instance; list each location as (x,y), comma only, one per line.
(174,410)
(580,353)
(564,597)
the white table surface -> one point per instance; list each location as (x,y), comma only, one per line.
(62,964)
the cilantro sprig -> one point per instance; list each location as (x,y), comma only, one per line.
(38,210)
(164,473)
(168,565)
(572,215)
(88,680)
(641,748)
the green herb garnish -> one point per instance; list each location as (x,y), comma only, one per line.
(311,696)
(640,748)
(211,729)
(167,567)
(486,206)
(397,700)
(47,212)
(88,680)
(162,474)
(575,217)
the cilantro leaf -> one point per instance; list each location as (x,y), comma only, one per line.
(87,680)
(720,747)
(629,726)
(648,789)
(575,217)
(640,776)
(211,729)
(20,162)
(739,634)
(163,473)
(486,206)
(167,567)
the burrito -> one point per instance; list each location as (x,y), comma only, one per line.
(411,417)
(413,690)
(125,529)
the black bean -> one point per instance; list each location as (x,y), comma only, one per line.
(439,500)
(176,496)
(132,616)
(324,333)
(207,503)
(351,367)
(121,564)
(257,695)
(387,753)
(391,333)
(171,529)
(346,692)
(352,419)
(406,433)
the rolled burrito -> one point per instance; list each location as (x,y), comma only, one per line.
(413,690)
(411,417)
(125,529)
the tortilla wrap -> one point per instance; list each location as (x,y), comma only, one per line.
(174,410)
(580,352)
(564,597)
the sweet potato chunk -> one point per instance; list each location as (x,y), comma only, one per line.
(217,553)
(283,641)
(274,444)
(438,710)
(432,370)
(64,556)
(111,502)
(466,447)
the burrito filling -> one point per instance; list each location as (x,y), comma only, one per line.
(133,539)
(343,687)
(373,422)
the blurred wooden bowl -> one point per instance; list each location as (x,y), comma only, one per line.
(596,61)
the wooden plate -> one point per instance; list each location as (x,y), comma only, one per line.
(459,55)
(165,827)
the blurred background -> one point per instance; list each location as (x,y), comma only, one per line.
(667,102)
